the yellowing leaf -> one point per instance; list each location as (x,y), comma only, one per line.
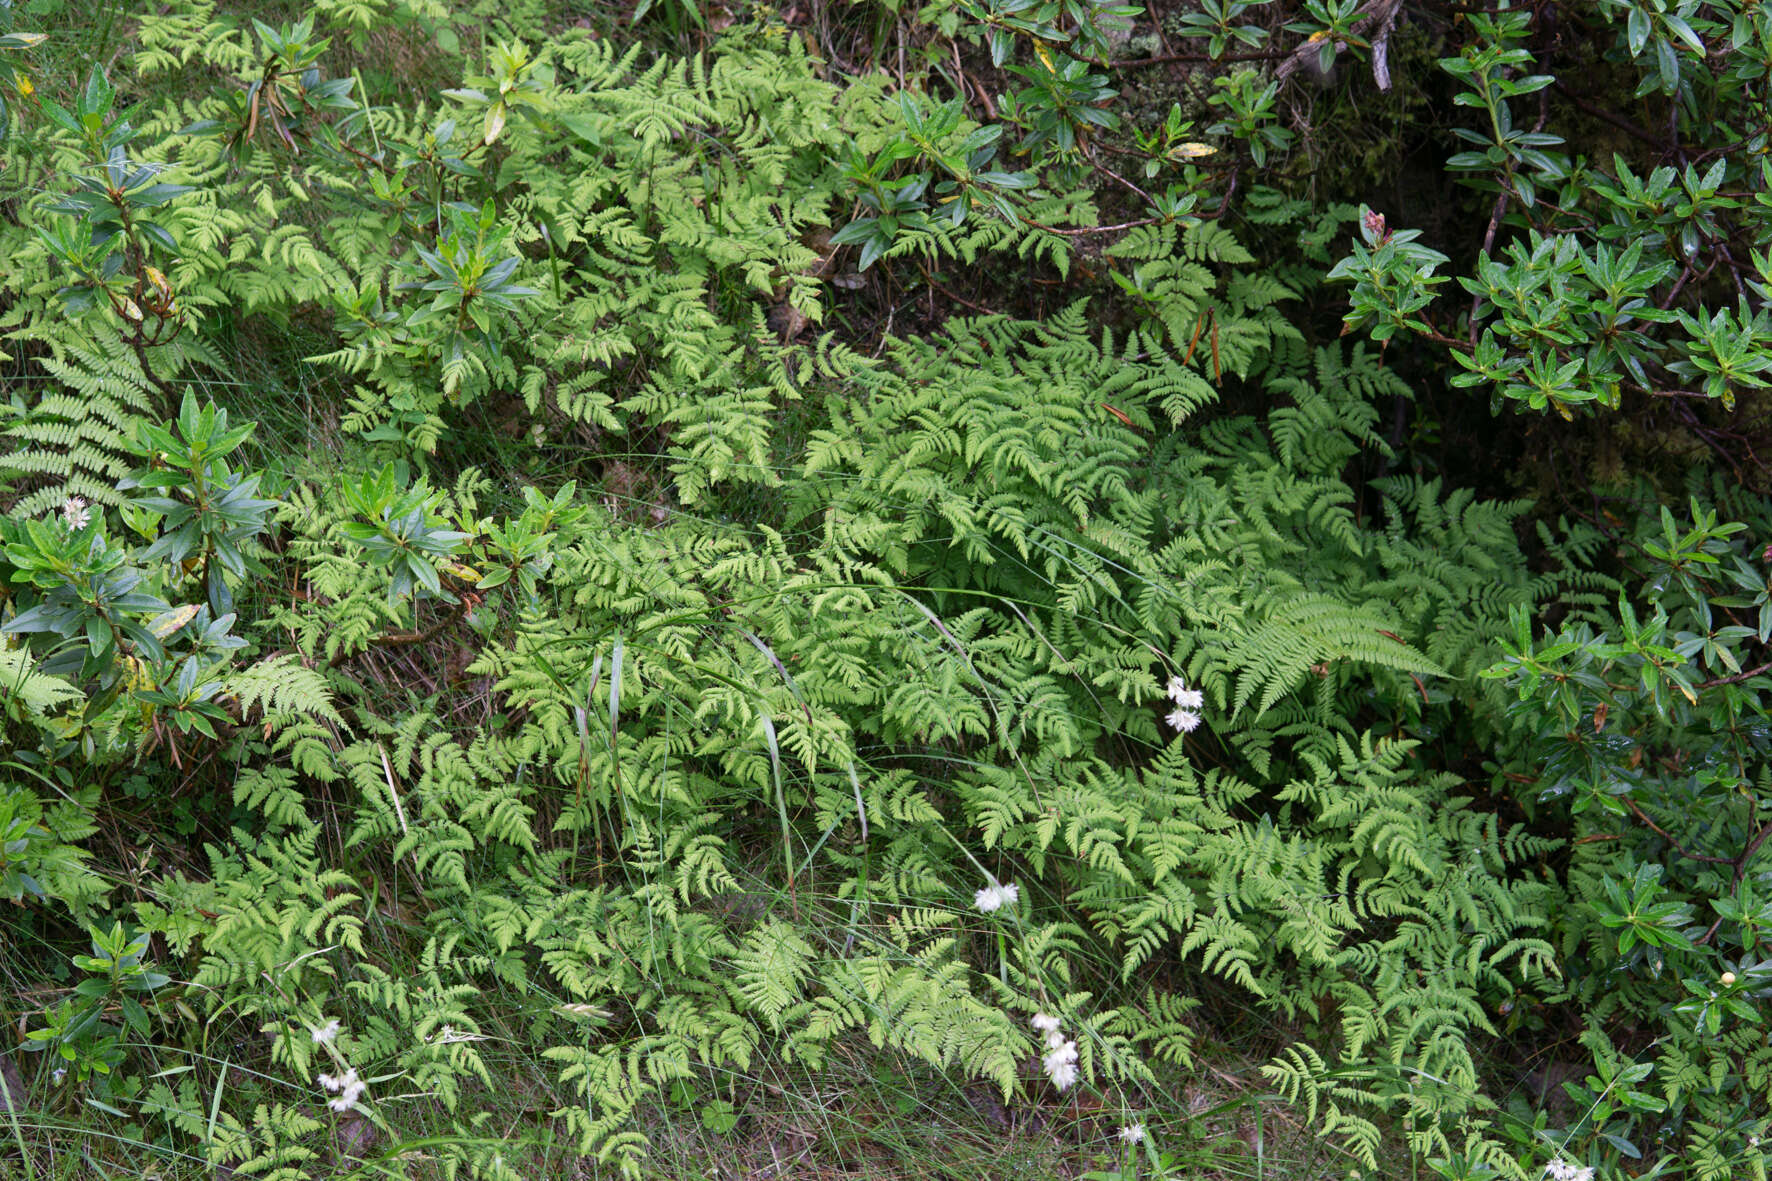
(1191,151)
(167,622)
(1045,56)
(495,121)
(137,675)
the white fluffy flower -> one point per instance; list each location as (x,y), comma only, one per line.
(1064,1051)
(1132,1133)
(75,512)
(1178,692)
(1060,1062)
(1185,720)
(1562,1170)
(1063,1076)
(995,897)
(348,1089)
(324,1035)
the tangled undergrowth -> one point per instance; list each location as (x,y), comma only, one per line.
(727,590)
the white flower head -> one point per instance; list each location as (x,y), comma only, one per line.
(1184,720)
(1132,1133)
(75,513)
(1060,1062)
(1063,1076)
(1178,692)
(1048,1027)
(996,896)
(347,1088)
(324,1035)
(1562,1170)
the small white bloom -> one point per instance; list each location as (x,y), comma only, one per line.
(349,1088)
(75,512)
(1060,1063)
(995,897)
(1132,1133)
(1178,692)
(1184,720)
(1562,1170)
(1064,1051)
(324,1035)
(57,1075)
(1063,1076)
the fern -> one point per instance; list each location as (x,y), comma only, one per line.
(30,694)
(78,442)
(282,688)
(693,763)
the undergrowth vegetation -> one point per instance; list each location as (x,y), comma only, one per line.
(735,590)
